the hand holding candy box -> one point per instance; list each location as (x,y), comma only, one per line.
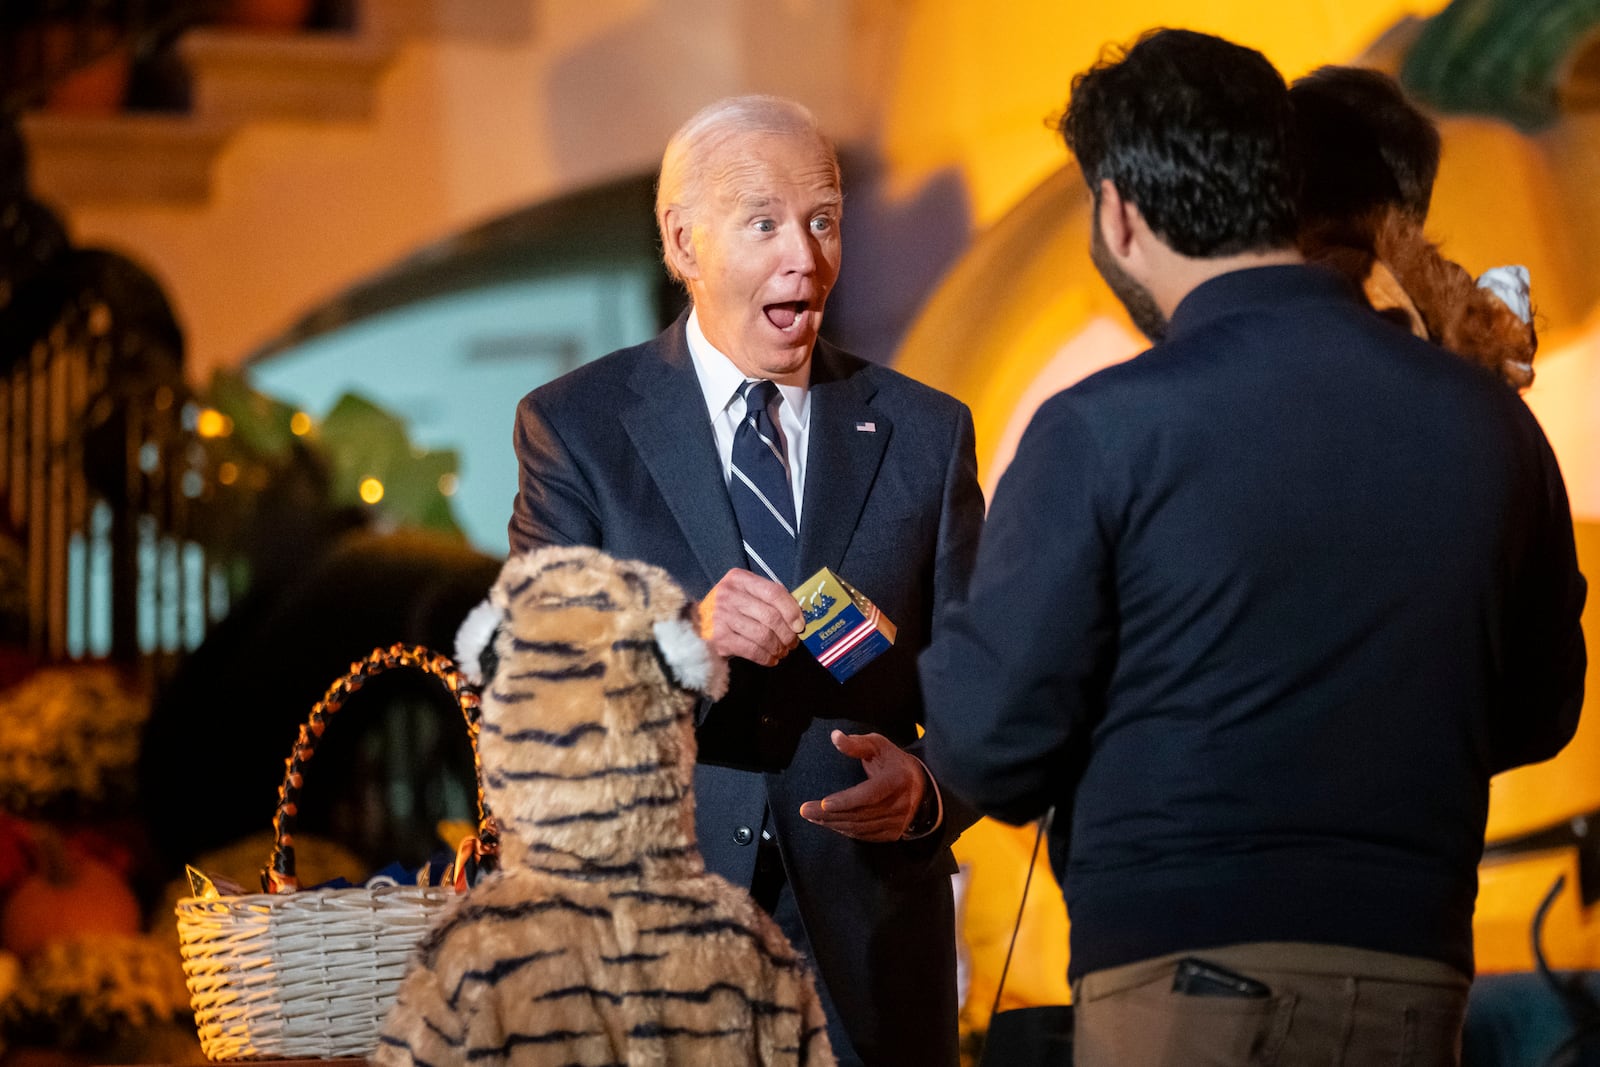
(844,630)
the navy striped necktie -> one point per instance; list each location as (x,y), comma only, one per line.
(763,501)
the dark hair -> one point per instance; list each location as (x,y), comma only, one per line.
(1362,145)
(1198,132)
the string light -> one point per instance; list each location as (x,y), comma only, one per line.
(213,423)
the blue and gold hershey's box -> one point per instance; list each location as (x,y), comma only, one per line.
(844,630)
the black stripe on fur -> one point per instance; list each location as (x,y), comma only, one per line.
(600,601)
(708,927)
(491,975)
(470,914)
(401,1043)
(661,898)
(658,1031)
(549,1037)
(597,669)
(635,771)
(546,737)
(690,996)
(548,648)
(610,813)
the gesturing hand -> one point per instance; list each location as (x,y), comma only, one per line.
(748,616)
(880,808)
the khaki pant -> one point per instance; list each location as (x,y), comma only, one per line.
(1329,1007)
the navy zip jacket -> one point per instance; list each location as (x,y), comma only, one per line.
(1260,612)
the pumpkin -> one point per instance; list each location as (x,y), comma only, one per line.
(71,894)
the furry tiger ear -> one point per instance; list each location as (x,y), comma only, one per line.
(691,661)
(475,654)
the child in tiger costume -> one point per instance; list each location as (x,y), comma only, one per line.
(601,939)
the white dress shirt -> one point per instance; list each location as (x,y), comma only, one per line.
(720,382)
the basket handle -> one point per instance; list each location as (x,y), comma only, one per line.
(279,874)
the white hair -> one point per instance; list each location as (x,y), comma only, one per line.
(689,151)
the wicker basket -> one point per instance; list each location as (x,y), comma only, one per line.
(285,974)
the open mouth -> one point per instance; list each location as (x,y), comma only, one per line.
(785,314)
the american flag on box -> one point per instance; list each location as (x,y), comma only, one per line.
(844,630)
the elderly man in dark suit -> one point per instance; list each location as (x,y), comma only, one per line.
(742,454)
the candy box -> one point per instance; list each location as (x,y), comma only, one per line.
(844,630)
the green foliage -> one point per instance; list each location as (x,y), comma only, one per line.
(1503,58)
(364,441)
(268,488)
(261,424)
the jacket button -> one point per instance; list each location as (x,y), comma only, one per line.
(743,836)
(768,722)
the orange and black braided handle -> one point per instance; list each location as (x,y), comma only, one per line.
(279,874)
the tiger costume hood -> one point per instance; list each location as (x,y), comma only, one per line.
(590,678)
(601,938)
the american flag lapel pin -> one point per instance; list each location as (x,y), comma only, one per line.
(867,427)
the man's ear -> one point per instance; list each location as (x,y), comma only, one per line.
(677,235)
(1116,220)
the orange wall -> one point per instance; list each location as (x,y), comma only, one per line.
(971,85)
(536,99)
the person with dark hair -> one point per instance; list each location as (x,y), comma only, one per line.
(1369,158)
(1257,613)
(1363,145)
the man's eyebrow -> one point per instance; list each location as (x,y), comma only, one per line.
(754,201)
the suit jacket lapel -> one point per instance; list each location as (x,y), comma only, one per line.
(668,426)
(847,440)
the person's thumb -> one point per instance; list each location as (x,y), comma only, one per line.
(856,746)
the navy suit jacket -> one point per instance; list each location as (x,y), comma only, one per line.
(619,454)
(1284,591)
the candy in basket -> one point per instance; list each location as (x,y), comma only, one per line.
(287,973)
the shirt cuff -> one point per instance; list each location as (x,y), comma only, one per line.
(930,814)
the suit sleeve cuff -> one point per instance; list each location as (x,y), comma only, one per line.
(930,813)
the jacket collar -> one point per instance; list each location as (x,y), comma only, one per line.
(666,423)
(1253,289)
